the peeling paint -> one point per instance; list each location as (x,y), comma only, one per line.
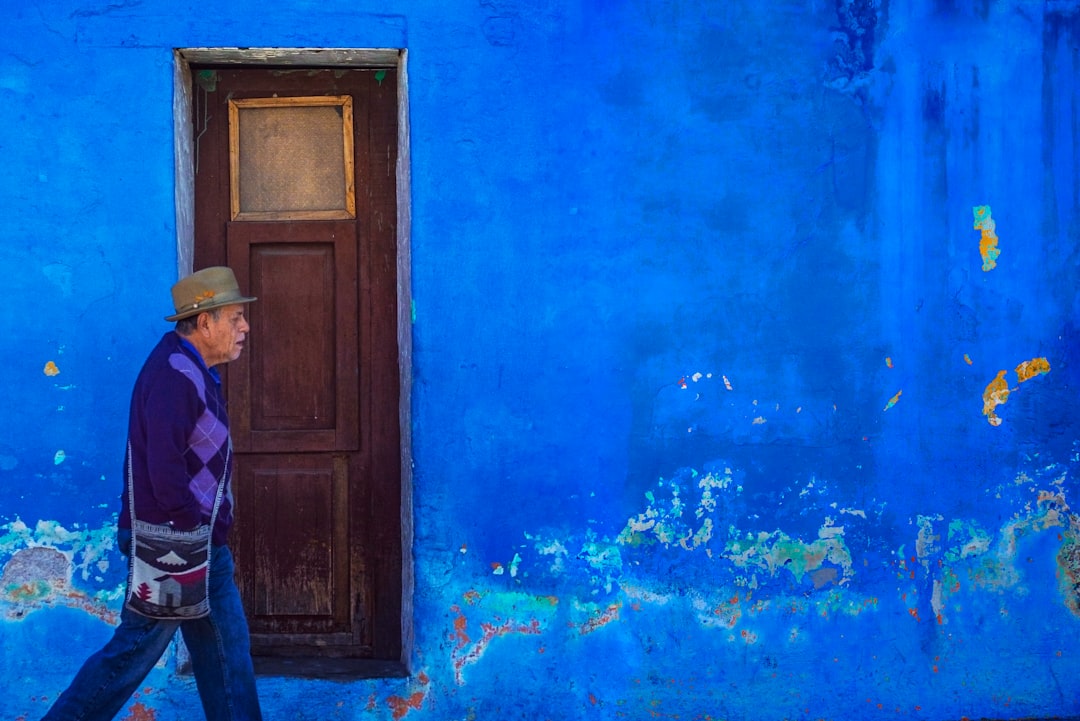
(997,391)
(1031,368)
(466,652)
(402,705)
(38,552)
(988,243)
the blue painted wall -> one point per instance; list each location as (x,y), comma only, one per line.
(706,350)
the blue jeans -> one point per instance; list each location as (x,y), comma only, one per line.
(220,657)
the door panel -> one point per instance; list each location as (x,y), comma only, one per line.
(297,385)
(313,399)
(301,571)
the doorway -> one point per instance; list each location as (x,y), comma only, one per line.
(296,177)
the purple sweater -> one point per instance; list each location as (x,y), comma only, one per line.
(178,429)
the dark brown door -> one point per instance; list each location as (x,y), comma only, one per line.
(295,190)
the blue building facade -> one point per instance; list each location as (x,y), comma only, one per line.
(742,370)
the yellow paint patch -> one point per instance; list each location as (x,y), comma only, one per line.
(51,369)
(988,243)
(996,393)
(893,400)
(1031,368)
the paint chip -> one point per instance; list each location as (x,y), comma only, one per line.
(988,243)
(1031,368)
(51,369)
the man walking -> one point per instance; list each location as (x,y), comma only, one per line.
(177,488)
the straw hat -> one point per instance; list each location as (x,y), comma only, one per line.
(205,290)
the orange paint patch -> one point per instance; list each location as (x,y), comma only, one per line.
(1034,367)
(459,627)
(400,706)
(489,633)
(996,393)
(140,712)
(51,369)
(988,242)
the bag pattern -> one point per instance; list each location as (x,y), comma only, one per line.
(169,569)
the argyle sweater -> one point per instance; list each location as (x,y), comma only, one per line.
(178,430)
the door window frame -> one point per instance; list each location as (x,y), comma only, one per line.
(184,141)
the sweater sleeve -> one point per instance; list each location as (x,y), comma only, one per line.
(172,406)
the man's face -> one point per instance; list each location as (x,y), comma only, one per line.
(226,334)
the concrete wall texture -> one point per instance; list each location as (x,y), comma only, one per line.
(745,350)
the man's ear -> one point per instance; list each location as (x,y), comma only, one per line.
(203,322)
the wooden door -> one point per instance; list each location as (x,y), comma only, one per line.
(296,190)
